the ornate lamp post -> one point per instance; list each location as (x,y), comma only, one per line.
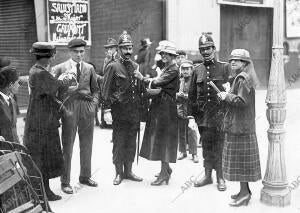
(275,191)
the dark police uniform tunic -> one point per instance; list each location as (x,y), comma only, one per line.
(207,109)
(123,91)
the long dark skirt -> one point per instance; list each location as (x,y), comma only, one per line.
(241,158)
(45,150)
(160,140)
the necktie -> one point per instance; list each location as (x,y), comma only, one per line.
(78,71)
(11,106)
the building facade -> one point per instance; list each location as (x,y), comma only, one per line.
(232,23)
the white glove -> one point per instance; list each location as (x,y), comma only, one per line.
(107,117)
(2,138)
(226,86)
(192,124)
(222,95)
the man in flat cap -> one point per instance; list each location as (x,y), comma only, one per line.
(122,90)
(81,102)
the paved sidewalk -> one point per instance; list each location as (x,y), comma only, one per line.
(135,197)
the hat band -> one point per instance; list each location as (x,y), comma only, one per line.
(126,44)
(43,52)
(239,57)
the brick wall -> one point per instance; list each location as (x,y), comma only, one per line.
(109,18)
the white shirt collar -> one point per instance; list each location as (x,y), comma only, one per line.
(6,97)
(74,63)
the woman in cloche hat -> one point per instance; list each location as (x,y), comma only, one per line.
(41,135)
(240,154)
(160,140)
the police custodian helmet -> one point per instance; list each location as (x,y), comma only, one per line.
(125,40)
(206,40)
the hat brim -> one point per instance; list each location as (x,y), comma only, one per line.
(186,65)
(168,51)
(247,59)
(125,44)
(110,45)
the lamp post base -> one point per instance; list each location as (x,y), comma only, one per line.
(275,197)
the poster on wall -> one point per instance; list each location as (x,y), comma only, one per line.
(68,19)
(292,18)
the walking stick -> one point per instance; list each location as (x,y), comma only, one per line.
(138,144)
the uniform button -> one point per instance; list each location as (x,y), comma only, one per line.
(207,82)
(208,88)
(207,72)
(207,67)
(132,91)
(208,93)
(207,77)
(208,100)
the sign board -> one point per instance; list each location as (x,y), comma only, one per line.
(292,11)
(68,19)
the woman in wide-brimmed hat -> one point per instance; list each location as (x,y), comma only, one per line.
(160,138)
(240,154)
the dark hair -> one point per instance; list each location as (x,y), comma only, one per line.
(38,57)
(8,75)
(181,52)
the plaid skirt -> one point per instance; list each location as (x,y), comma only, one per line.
(241,158)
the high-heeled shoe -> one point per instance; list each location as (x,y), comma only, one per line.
(169,172)
(160,180)
(241,201)
(235,196)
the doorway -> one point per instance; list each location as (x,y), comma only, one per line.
(248,28)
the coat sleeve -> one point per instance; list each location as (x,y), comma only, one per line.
(94,86)
(242,98)
(164,78)
(108,82)
(56,71)
(192,96)
(47,85)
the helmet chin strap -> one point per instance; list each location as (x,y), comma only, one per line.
(209,58)
(124,57)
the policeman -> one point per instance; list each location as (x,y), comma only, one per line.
(207,109)
(122,90)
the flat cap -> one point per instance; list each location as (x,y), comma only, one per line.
(43,49)
(186,63)
(76,42)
